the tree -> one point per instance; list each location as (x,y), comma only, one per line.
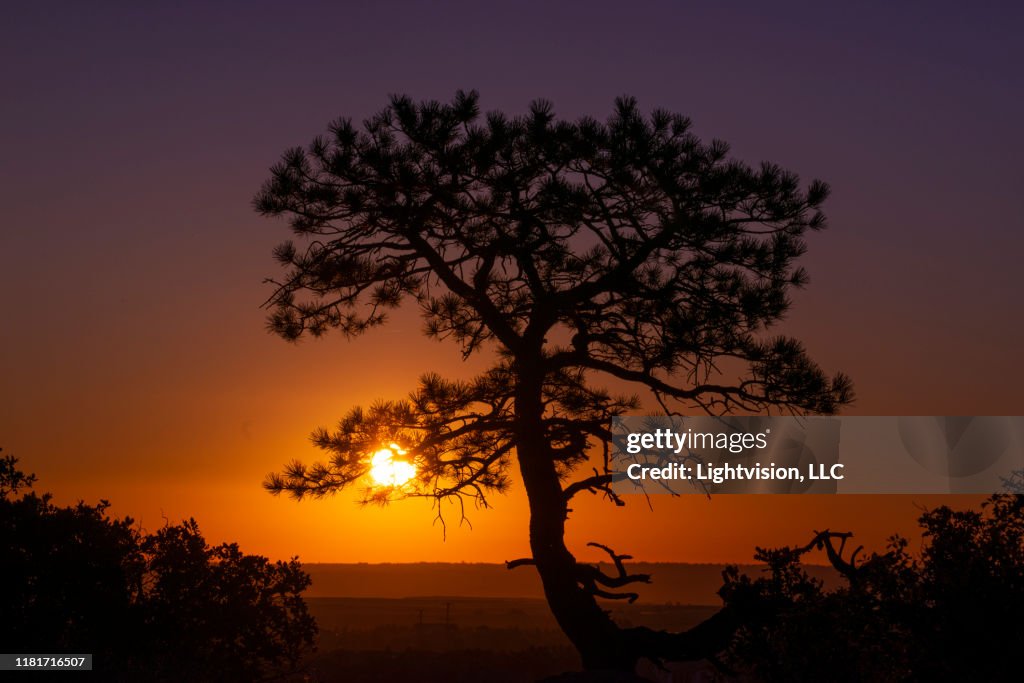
(216,613)
(149,607)
(950,612)
(574,253)
(70,573)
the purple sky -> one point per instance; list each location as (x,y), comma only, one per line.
(132,348)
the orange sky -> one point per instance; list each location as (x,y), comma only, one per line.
(133,356)
(190,430)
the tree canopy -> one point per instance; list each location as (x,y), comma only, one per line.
(627,249)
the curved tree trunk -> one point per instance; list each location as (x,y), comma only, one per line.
(602,644)
(591,630)
(596,637)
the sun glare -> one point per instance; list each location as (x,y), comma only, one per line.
(386,471)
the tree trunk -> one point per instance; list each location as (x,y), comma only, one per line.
(596,637)
(602,644)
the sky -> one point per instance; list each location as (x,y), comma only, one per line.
(134,359)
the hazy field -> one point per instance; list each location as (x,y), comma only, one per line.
(473,622)
(457,638)
(689,584)
(446,623)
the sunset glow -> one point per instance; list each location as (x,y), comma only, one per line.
(156,386)
(386,471)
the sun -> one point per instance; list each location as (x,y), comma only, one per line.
(386,471)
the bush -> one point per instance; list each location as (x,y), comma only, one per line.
(950,612)
(161,606)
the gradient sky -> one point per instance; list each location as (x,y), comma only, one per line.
(133,356)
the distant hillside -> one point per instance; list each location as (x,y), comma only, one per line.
(689,584)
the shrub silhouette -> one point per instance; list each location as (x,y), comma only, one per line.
(161,606)
(948,613)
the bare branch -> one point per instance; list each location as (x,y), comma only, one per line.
(823,541)
(521,562)
(594,484)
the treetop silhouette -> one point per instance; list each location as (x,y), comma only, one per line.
(576,252)
(161,606)
(944,607)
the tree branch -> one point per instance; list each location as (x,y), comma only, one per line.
(823,541)
(598,482)
(521,562)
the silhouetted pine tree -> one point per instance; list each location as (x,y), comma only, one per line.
(571,252)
